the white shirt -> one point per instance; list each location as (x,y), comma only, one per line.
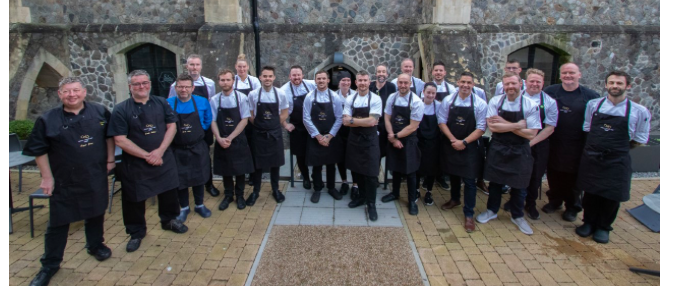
(639,117)
(344,96)
(267,97)
(531,112)
(441,87)
(375,106)
(431,109)
(323,97)
(550,108)
(229,101)
(201,81)
(499,90)
(288,88)
(417,83)
(480,108)
(250,82)
(480,93)
(417,105)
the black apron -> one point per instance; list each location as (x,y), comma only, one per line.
(249,128)
(461,123)
(237,159)
(362,151)
(298,136)
(440,95)
(568,138)
(344,130)
(381,127)
(78,160)
(605,169)
(141,180)
(268,143)
(322,117)
(540,150)
(203,92)
(509,160)
(192,155)
(408,159)
(428,143)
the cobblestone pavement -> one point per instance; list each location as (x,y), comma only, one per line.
(221,250)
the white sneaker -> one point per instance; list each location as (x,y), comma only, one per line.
(523,225)
(486,216)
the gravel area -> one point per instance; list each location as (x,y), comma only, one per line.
(323,255)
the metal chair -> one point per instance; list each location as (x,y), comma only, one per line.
(39,194)
(14,146)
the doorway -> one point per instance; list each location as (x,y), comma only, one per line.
(158,62)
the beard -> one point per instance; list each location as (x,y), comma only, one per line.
(616,92)
(381,79)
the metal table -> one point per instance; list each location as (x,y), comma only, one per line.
(16,159)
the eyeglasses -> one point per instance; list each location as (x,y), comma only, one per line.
(183,86)
(138,84)
(511,68)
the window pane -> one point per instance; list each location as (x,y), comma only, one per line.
(544,61)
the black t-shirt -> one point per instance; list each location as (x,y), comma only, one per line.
(388,89)
(50,124)
(123,112)
(560,92)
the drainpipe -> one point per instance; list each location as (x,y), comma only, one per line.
(255,29)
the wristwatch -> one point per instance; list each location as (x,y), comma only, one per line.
(465,143)
(352,121)
(396,136)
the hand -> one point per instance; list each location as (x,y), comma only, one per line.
(522,124)
(326,139)
(391,137)
(496,119)
(347,120)
(398,144)
(110,166)
(222,142)
(458,145)
(154,158)
(531,143)
(289,127)
(47,185)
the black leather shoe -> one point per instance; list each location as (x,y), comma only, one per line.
(174,226)
(335,194)
(278,196)
(569,215)
(212,190)
(252,198)
(315,197)
(601,236)
(413,208)
(356,203)
(344,189)
(389,198)
(203,211)
(133,244)
(240,202)
(355,193)
(225,203)
(549,208)
(532,212)
(584,230)
(101,253)
(43,277)
(507,206)
(307,184)
(371,212)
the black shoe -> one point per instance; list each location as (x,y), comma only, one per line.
(174,226)
(355,193)
(133,244)
(278,196)
(225,203)
(549,208)
(335,194)
(315,197)
(507,207)
(601,236)
(428,201)
(101,253)
(442,184)
(389,198)
(371,212)
(584,230)
(413,208)
(505,189)
(532,212)
(183,215)
(307,184)
(203,211)
(43,277)
(252,198)
(240,202)
(356,203)
(569,215)
(344,189)
(212,190)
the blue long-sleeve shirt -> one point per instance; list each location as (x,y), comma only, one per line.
(205,115)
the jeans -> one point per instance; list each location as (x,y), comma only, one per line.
(470,193)
(517,197)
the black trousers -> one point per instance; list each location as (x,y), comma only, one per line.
(599,212)
(367,186)
(229,188)
(133,213)
(275,176)
(428,182)
(411,184)
(563,188)
(303,168)
(183,196)
(342,171)
(317,177)
(56,238)
(532,190)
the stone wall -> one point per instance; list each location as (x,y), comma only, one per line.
(565,12)
(41,100)
(344,11)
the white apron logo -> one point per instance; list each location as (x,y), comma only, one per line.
(565,109)
(150,129)
(322,116)
(607,128)
(84,141)
(186,128)
(460,120)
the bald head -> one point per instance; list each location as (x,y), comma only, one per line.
(407,66)
(403,83)
(570,76)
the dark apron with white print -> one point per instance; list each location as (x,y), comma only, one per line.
(461,122)
(192,155)
(237,159)
(298,136)
(567,141)
(268,142)
(362,152)
(428,143)
(408,159)
(322,117)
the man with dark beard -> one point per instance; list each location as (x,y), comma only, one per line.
(383,89)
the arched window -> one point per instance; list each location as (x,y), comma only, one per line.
(541,57)
(158,62)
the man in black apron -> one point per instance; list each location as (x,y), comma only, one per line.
(321,110)
(232,154)
(203,87)
(428,142)
(383,89)
(296,90)
(343,93)
(567,141)
(444,89)
(245,83)
(403,113)
(143,127)
(615,125)
(268,111)
(540,144)
(72,140)
(361,114)
(192,155)
(514,121)
(462,120)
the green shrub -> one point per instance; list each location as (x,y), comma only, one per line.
(21,128)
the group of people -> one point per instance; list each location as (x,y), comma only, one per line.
(428,131)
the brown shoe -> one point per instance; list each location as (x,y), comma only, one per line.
(469,224)
(482,186)
(450,204)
